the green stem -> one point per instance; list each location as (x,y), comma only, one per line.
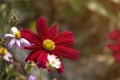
(40,73)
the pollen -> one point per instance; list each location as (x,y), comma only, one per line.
(17,35)
(3,51)
(53,62)
(48,45)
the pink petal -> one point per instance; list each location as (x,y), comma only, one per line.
(33,56)
(41,27)
(18,43)
(117,56)
(114,35)
(67,52)
(11,43)
(42,60)
(114,47)
(53,32)
(8,35)
(8,57)
(65,39)
(25,42)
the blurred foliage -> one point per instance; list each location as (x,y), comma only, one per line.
(90,20)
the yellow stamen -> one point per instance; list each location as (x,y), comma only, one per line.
(17,35)
(3,51)
(53,62)
(48,44)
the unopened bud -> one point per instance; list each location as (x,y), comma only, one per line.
(14,20)
(30,66)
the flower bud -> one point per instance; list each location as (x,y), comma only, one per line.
(14,20)
(30,66)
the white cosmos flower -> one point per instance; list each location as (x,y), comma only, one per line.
(5,54)
(54,61)
(20,42)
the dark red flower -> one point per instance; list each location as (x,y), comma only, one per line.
(115,47)
(48,41)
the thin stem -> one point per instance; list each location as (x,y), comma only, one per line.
(40,73)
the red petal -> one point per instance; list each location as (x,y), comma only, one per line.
(24,30)
(117,56)
(65,39)
(42,60)
(67,52)
(33,56)
(114,35)
(114,47)
(52,32)
(31,38)
(33,47)
(118,40)
(41,27)
(61,69)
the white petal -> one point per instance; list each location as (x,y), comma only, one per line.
(57,65)
(54,58)
(8,57)
(48,57)
(18,42)
(25,42)
(8,35)
(14,29)
(11,43)
(51,57)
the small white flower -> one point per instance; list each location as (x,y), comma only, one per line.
(20,42)
(5,54)
(54,61)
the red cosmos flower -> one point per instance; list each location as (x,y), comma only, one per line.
(115,48)
(48,41)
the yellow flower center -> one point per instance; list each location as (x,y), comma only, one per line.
(53,62)
(3,51)
(48,44)
(17,35)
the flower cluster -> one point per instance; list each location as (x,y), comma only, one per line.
(115,47)
(48,45)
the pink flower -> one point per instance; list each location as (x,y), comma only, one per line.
(48,41)
(115,47)
(32,77)
(5,54)
(21,42)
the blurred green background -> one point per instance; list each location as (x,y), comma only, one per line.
(89,20)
